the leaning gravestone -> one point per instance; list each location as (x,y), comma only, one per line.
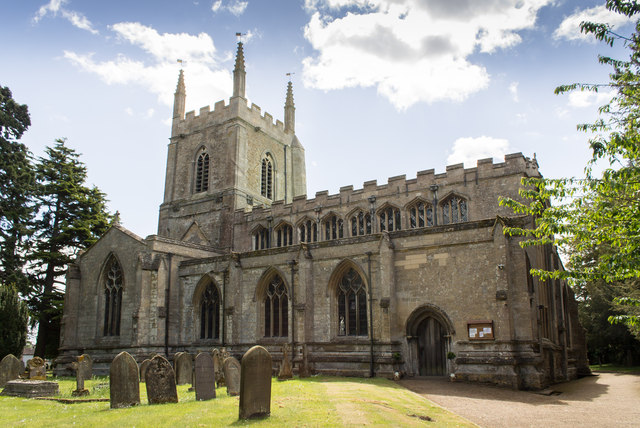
(81,367)
(255,383)
(286,371)
(143,369)
(10,369)
(37,369)
(232,369)
(161,382)
(184,368)
(217,364)
(205,377)
(124,383)
(87,368)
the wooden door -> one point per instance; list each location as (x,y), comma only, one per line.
(431,348)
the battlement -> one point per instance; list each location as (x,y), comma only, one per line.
(455,177)
(237,107)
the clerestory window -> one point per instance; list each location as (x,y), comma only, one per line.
(389,219)
(261,239)
(361,224)
(420,215)
(308,231)
(333,228)
(454,210)
(284,235)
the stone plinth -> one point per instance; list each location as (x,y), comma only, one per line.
(30,388)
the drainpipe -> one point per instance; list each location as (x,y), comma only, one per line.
(166,306)
(371,367)
(292,264)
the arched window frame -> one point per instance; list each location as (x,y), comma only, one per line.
(113,285)
(209,312)
(454,209)
(202,168)
(350,302)
(283,235)
(389,218)
(273,300)
(267,174)
(261,238)
(420,214)
(360,223)
(333,227)
(308,231)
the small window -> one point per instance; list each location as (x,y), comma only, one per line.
(361,224)
(261,239)
(308,231)
(454,210)
(284,235)
(202,173)
(266,182)
(389,219)
(420,215)
(333,228)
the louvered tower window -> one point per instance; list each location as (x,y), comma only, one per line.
(266,186)
(202,173)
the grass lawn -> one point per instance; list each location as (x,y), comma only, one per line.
(614,368)
(317,401)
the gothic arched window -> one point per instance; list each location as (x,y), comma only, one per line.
(420,215)
(202,173)
(361,224)
(454,210)
(284,235)
(352,305)
(210,313)
(261,239)
(333,228)
(389,219)
(266,181)
(276,309)
(308,231)
(112,298)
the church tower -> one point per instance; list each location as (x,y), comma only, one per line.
(229,158)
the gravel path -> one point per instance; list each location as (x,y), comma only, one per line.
(604,400)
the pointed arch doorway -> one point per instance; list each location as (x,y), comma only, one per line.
(429,332)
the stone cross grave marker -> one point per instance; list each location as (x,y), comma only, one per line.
(143,369)
(232,370)
(286,371)
(37,369)
(88,367)
(124,383)
(217,364)
(161,382)
(255,383)
(205,377)
(184,368)
(304,370)
(81,367)
(10,369)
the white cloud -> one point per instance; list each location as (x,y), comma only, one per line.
(569,28)
(513,90)
(469,149)
(205,79)
(149,114)
(128,111)
(410,50)
(581,99)
(54,7)
(235,7)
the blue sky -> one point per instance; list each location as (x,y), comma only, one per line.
(381,87)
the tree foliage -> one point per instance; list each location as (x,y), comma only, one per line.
(596,220)
(13,321)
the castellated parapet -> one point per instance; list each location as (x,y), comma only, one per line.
(481,187)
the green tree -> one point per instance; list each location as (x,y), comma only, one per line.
(71,216)
(13,321)
(16,190)
(596,220)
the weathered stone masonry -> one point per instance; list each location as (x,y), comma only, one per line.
(412,276)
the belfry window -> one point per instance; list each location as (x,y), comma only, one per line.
(352,305)
(284,235)
(112,298)
(202,173)
(389,219)
(210,313)
(266,182)
(276,309)
(333,228)
(261,239)
(361,224)
(420,215)
(454,210)
(308,231)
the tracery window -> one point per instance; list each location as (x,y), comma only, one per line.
(420,215)
(112,298)
(308,231)
(352,305)
(202,173)
(276,309)
(361,224)
(454,210)
(210,313)
(284,235)
(389,219)
(261,239)
(333,228)
(266,182)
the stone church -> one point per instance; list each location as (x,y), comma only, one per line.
(413,276)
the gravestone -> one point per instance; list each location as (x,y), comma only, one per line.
(81,367)
(161,382)
(285,367)
(10,369)
(304,370)
(124,383)
(255,383)
(37,369)
(88,367)
(143,369)
(30,388)
(232,369)
(217,364)
(205,377)
(184,368)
